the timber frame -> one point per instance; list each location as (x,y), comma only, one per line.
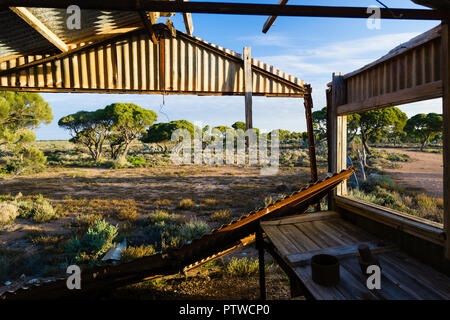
(414,71)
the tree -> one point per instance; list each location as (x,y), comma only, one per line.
(425,127)
(20,114)
(162,132)
(129,122)
(238,125)
(89,128)
(320,124)
(377,124)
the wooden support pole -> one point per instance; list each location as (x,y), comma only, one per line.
(445,74)
(336,127)
(262,274)
(149,20)
(310,128)
(248,87)
(187,17)
(308,102)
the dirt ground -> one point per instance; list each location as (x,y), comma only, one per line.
(239,189)
(423,173)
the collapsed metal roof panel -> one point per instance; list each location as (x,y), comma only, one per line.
(175,260)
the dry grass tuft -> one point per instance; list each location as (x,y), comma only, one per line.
(223,216)
(186,204)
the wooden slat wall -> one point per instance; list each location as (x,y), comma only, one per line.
(133,65)
(412,74)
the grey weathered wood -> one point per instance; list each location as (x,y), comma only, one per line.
(248,87)
(425,91)
(187,17)
(303,258)
(269,22)
(302,218)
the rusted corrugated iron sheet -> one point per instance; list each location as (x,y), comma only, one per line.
(132,63)
(187,256)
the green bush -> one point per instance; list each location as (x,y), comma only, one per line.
(136,161)
(95,242)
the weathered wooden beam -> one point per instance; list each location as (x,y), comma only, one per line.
(232,8)
(187,17)
(310,128)
(422,92)
(37,25)
(270,21)
(248,88)
(148,21)
(445,74)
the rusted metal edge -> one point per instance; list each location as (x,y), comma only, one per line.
(100,278)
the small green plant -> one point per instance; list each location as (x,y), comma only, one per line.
(136,161)
(95,242)
(243,267)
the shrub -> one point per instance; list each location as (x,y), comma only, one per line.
(39,210)
(221,216)
(136,161)
(186,204)
(424,201)
(162,216)
(243,267)
(133,253)
(8,212)
(127,213)
(95,242)
(192,230)
(43,211)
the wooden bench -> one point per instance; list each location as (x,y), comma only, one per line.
(294,240)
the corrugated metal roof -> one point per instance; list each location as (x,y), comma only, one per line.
(132,63)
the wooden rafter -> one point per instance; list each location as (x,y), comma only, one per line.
(148,20)
(233,8)
(269,22)
(187,17)
(37,25)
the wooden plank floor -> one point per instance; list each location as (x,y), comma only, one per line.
(402,277)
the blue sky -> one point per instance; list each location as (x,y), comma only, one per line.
(308,48)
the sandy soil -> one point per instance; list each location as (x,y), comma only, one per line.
(424,173)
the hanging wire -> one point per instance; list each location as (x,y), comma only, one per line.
(161,106)
(393,14)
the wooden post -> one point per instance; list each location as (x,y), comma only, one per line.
(248,87)
(262,274)
(310,129)
(338,132)
(445,74)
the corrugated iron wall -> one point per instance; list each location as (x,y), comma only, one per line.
(181,65)
(409,73)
